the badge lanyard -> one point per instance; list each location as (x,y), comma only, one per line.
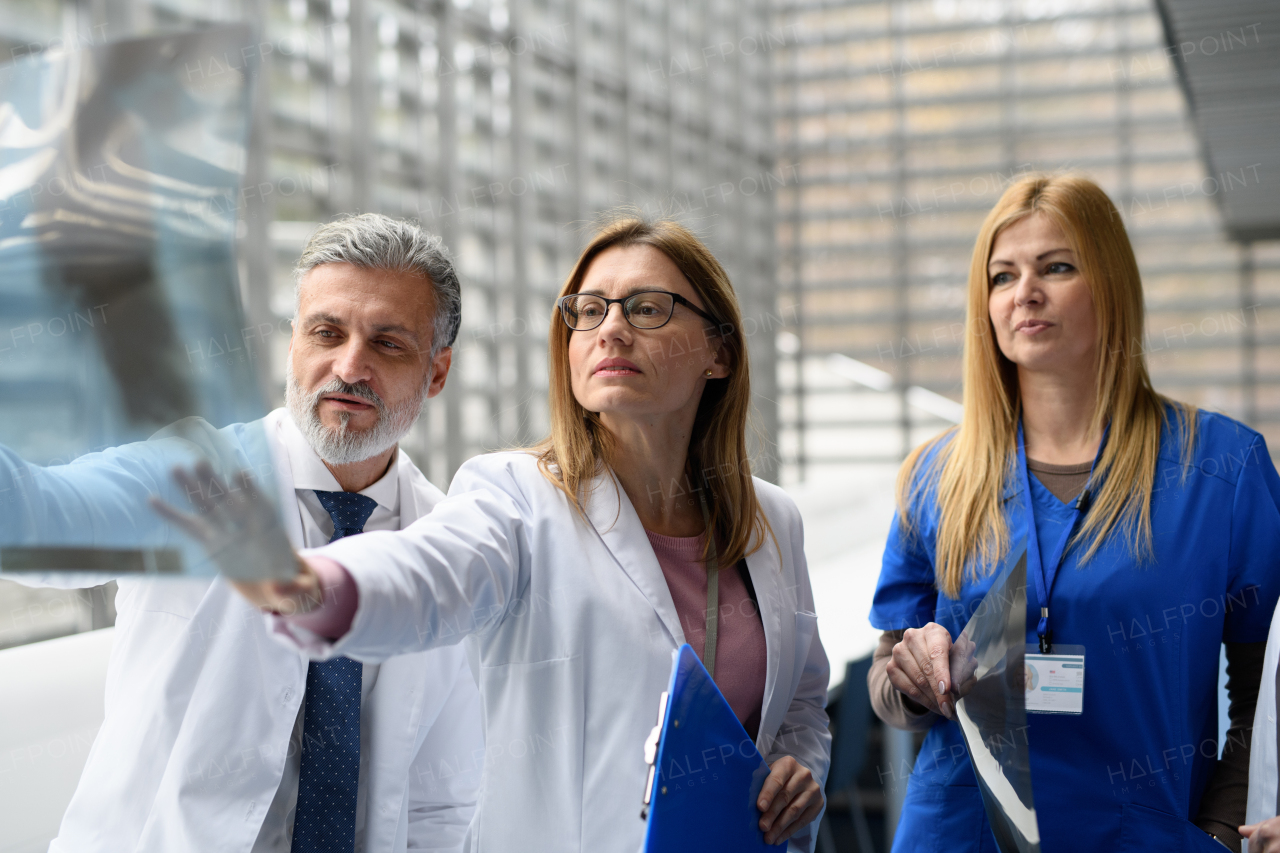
(1042,575)
(713,591)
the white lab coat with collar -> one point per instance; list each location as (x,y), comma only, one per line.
(201,704)
(1263,773)
(572,627)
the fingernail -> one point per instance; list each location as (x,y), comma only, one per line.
(942,688)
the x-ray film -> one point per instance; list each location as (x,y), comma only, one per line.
(988,671)
(122,345)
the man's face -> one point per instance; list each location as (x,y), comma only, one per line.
(360,358)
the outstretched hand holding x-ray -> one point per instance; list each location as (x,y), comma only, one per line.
(238,528)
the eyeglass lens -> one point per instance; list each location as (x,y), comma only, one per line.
(643,310)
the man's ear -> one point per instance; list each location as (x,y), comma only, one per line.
(440,364)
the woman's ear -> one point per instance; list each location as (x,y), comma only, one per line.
(720,363)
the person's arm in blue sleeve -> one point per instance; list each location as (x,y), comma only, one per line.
(906,597)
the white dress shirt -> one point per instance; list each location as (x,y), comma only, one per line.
(309,474)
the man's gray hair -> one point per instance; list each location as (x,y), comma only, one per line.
(377,242)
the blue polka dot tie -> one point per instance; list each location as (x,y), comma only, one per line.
(325,820)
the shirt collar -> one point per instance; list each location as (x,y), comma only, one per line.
(309,472)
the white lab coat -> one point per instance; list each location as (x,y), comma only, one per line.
(572,628)
(1262,749)
(201,704)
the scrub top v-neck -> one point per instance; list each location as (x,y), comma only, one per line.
(1126,773)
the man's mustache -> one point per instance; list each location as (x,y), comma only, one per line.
(360,390)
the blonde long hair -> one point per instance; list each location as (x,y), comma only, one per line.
(579,446)
(976,460)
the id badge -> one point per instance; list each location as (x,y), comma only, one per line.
(1055,683)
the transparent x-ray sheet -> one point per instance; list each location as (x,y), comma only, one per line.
(122,350)
(988,669)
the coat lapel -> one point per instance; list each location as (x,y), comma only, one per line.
(764,567)
(614,518)
(411,506)
(283,478)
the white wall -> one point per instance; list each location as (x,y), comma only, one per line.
(51,701)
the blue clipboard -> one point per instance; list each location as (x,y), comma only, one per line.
(705,772)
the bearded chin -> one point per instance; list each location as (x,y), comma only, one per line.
(340,445)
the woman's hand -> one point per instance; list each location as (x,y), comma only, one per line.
(789,800)
(1263,837)
(921,670)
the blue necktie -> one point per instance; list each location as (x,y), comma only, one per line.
(325,820)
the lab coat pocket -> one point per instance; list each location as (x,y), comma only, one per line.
(533,759)
(1145,828)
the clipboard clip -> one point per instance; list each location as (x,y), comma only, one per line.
(651,755)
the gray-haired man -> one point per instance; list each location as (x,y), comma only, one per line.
(217,737)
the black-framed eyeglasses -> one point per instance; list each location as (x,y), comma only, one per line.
(648,309)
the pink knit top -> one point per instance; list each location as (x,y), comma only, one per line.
(740,650)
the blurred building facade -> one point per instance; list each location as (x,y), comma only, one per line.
(906,119)
(508,127)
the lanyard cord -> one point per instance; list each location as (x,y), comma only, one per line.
(1043,576)
(713,591)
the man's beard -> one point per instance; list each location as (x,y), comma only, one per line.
(341,446)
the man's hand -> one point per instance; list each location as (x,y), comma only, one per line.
(1263,837)
(789,800)
(920,668)
(239,529)
(287,598)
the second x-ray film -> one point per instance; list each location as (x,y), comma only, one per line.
(123,351)
(987,670)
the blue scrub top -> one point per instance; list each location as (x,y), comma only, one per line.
(1128,773)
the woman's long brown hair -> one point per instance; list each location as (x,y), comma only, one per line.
(579,446)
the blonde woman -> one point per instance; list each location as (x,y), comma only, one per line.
(1151,532)
(575,569)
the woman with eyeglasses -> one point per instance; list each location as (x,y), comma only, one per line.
(575,568)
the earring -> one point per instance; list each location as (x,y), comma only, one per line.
(709,372)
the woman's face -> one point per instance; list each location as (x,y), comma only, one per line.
(620,371)
(1039,303)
